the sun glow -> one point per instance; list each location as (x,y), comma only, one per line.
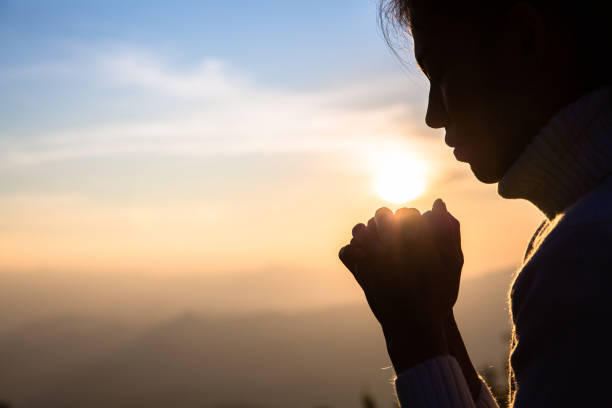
(400,178)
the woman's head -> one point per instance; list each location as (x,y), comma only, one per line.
(498,70)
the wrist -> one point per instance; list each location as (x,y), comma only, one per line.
(414,344)
(457,349)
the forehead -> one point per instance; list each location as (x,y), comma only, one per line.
(441,36)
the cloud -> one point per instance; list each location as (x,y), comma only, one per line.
(213,109)
(211,79)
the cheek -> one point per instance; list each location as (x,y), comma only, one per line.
(475,116)
(464,98)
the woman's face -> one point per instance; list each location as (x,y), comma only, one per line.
(478,96)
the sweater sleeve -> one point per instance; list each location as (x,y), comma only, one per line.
(439,383)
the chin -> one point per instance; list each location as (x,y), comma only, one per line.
(485,174)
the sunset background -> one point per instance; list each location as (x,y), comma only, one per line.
(199,162)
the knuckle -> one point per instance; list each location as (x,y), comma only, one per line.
(401,210)
(357,228)
(382,211)
(407,213)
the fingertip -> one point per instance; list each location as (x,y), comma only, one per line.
(359,228)
(439,205)
(405,212)
(383,218)
(371,222)
(346,256)
(342,252)
(372,227)
(383,212)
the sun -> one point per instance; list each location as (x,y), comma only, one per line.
(400,178)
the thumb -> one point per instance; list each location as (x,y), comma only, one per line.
(447,230)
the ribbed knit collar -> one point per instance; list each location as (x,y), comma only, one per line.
(570,155)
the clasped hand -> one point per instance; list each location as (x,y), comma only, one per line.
(408,265)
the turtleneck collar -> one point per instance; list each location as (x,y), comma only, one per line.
(570,155)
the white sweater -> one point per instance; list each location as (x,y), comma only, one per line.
(558,298)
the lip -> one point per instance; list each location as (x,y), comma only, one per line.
(462,153)
(450,142)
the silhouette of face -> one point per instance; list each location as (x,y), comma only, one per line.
(477,94)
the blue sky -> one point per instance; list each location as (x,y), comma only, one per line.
(279,41)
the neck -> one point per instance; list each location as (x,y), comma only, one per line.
(569,156)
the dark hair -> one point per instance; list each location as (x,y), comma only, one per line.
(588,23)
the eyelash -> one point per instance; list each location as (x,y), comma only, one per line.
(440,77)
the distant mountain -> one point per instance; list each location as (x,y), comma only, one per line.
(326,357)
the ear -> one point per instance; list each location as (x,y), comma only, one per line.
(528,27)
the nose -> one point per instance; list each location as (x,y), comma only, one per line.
(437,116)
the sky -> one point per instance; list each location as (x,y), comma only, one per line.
(210,137)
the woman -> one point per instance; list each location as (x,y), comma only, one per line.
(522,90)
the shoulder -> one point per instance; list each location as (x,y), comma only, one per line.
(589,218)
(560,299)
(594,207)
(572,262)
(576,254)
(584,230)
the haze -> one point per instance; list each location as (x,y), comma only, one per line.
(210,158)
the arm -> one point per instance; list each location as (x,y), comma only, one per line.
(412,345)
(446,380)
(457,349)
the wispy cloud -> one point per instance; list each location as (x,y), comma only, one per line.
(223,112)
(209,80)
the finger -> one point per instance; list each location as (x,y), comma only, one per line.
(372,229)
(350,255)
(357,250)
(361,234)
(456,229)
(375,245)
(429,218)
(408,224)
(446,233)
(456,238)
(439,206)
(384,225)
(440,227)
(418,238)
(345,257)
(447,221)
(356,247)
